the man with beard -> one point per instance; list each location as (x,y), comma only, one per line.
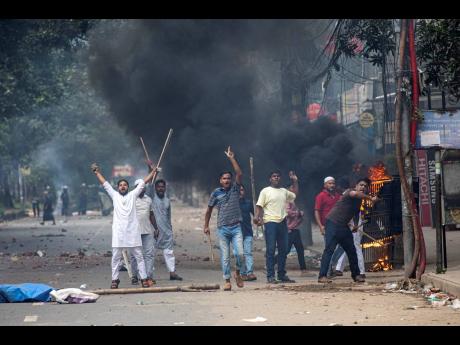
(271,210)
(324,202)
(227,200)
(338,231)
(147,225)
(161,207)
(125,226)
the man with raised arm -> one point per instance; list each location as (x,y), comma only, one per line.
(271,211)
(125,227)
(227,200)
(338,231)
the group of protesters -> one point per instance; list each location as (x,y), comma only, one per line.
(142,224)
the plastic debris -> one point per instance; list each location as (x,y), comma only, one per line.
(257,319)
(40,253)
(455,304)
(73,296)
(391,286)
(83,286)
(31,318)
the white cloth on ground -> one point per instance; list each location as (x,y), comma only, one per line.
(125,228)
(117,258)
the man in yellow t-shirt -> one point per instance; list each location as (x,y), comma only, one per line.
(271,211)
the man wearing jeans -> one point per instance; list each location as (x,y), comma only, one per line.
(226,198)
(246,206)
(271,209)
(338,231)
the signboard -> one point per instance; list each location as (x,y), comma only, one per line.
(366,120)
(439,129)
(122,170)
(424,187)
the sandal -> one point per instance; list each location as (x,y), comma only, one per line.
(146,283)
(115,284)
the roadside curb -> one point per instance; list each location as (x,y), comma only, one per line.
(443,283)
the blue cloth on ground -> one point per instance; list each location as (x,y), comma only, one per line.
(27,292)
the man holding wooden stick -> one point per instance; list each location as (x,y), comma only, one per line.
(125,227)
(227,200)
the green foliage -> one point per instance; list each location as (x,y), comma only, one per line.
(438,52)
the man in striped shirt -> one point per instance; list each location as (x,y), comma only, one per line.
(227,200)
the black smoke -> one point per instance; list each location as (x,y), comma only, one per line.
(197,77)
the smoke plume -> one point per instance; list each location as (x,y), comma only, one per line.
(207,79)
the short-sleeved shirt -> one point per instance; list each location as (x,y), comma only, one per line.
(345,209)
(246,209)
(143,209)
(324,203)
(273,201)
(228,205)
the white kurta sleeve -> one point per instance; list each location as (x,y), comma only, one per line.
(138,189)
(109,189)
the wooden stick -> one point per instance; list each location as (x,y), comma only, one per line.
(145,150)
(128,266)
(253,190)
(369,236)
(168,138)
(210,247)
(188,288)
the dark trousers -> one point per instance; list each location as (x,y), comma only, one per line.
(338,234)
(36,209)
(294,239)
(276,235)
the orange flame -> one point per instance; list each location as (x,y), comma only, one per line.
(378,172)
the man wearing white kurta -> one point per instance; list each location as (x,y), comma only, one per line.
(125,226)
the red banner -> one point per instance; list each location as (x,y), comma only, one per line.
(424,188)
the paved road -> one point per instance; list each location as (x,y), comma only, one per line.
(305,303)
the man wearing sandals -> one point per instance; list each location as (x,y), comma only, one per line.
(227,200)
(125,226)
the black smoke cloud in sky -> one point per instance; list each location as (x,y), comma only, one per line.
(195,76)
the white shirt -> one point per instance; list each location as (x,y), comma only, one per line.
(125,227)
(273,201)
(143,208)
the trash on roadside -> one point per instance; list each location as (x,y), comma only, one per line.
(391,286)
(455,304)
(73,296)
(27,292)
(31,318)
(438,303)
(83,286)
(257,319)
(413,307)
(40,253)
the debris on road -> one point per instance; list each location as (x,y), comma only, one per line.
(73,296)
(257,319)
(40,253)
(31,318)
